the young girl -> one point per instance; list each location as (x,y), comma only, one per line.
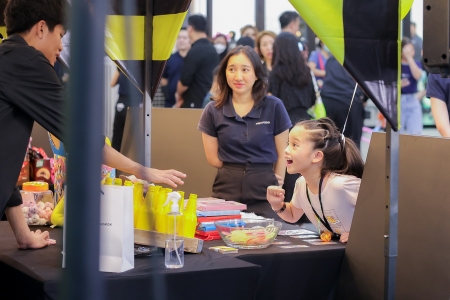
(331,168)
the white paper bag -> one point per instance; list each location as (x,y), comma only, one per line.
(116,228)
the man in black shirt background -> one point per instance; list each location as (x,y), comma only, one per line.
(31,91)
(197,75)
(337,92)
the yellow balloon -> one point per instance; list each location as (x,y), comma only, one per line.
(405,7)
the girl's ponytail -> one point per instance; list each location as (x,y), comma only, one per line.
(354,165)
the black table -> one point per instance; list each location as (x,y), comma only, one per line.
(299,273)
(36,274)
(271,273)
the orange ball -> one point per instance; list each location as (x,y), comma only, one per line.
(325,236)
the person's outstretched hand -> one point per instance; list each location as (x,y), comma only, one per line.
(344,237)
(37,239)
(169,177)
(120,162)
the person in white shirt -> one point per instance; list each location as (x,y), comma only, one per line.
(331,167)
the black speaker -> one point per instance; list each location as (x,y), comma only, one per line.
(436,37)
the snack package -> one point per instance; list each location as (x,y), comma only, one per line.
(41,170)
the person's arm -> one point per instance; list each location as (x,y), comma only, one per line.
(192,62)
(313,62)
(211,146)
(317,72)
(181,88)
(275,196)
(408,53)
(164,81)
(115,78)
(441,117)
(165,75)
(179,94)
(116,160)
(26,239)
(279,168)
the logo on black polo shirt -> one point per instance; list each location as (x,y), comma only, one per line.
(263,123)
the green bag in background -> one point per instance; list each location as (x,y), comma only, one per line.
(319,109)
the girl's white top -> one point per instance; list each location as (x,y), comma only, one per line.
(338,199)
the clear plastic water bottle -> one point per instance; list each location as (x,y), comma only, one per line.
(174,255)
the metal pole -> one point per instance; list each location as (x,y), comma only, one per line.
(148,82)
(209,17)
(260,14)
(391,213)
(82,279)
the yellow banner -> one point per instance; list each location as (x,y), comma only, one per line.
(165,33)
(326,20)
(124,36)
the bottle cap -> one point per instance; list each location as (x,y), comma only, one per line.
(108,181)
(174,197)
(117,181)
(128,183)
(35,186)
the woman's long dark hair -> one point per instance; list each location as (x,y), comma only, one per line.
(259,89)
(288,63)
(340,156)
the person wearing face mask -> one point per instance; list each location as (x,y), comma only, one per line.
(196,76)
(221,45)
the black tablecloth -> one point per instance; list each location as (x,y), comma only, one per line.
(271,273)
(36,274)
(298,273)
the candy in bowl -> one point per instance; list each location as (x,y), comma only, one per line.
(248,233)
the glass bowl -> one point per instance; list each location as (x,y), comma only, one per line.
(248,233)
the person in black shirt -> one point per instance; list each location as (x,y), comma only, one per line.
(126,99)
(196,77)
(290,79)
(174,66)
(336,93)
(31,91)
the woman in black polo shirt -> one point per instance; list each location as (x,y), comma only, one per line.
(244,131)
